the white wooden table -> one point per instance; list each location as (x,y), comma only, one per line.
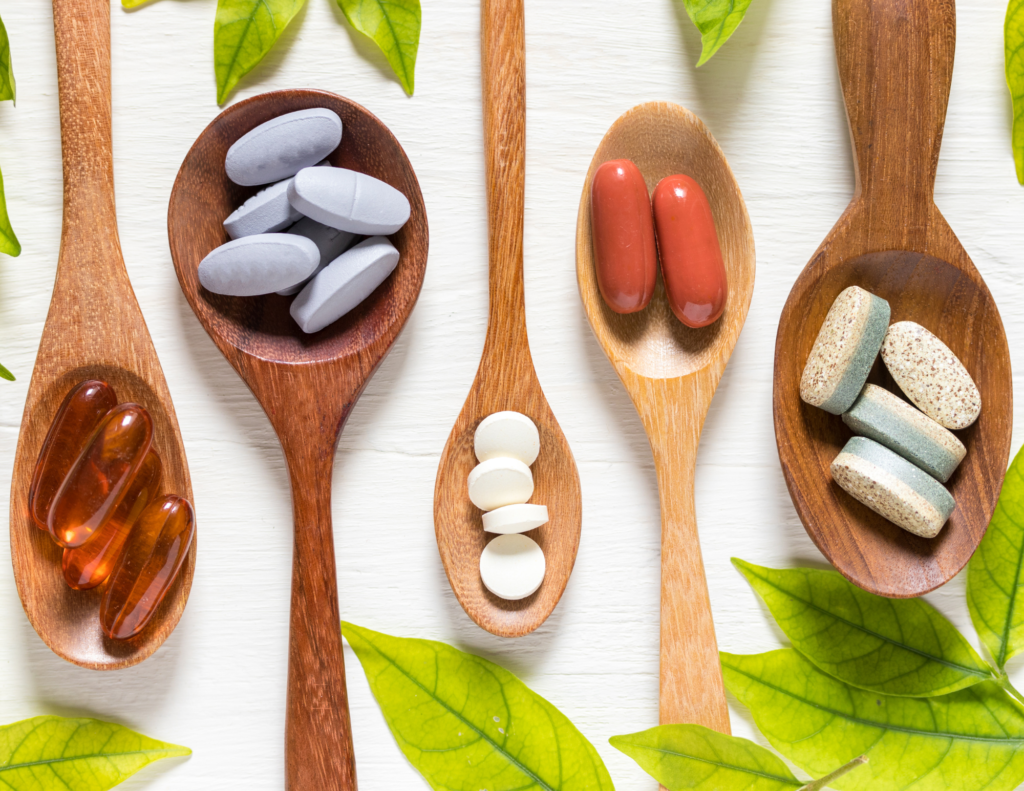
(771,97)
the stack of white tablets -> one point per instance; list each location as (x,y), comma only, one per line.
(328,210)
(512,565)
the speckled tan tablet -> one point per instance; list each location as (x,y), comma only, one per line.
(844,351)
(891,486)
(931,375)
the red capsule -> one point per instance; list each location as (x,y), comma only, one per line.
(101,475)
(691,258)
(77,418)
(147,566)
(625,253)
(90,564)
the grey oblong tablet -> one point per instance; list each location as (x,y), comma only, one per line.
(888,419)
(283,146)
(265,212)
(349,200)
(891,486)
(260,264)
(329,241)
(344,283)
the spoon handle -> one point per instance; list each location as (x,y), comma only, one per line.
(504,83)
(895,64)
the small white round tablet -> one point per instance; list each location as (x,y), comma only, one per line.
(499,482)
(515,518)
(512,567)
(507,434)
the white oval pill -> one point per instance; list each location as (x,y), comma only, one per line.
(512,567)
(344,283)
(349,200)
(258,264)
(265,212)
(499,482)
(507,434)
(329,241)
(517,518)
(283,146)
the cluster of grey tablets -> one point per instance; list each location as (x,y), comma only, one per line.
(316,231)
(901,455)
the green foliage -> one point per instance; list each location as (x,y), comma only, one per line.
(243,32)
(1013,45)
(7,87)
(995,576)
(395,26)
(8,240)
(716,20)
(467,724)
(5,374)
(970,740)
(893,646)
(54,753)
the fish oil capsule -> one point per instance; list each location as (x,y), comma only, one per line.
(101,475)
(79,415)
(147,566)
(90,564)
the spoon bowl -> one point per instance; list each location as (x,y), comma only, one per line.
(307,385)
(94,330)
(670,372)
(895,63)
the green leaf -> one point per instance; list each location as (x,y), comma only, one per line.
(5,374)
(395,26)
(995,575)
(716,20)
(694,757)
(893,646)
(243,32)
(7,87)
(76,754)
(970,740)
(467,724)
(1013,44)
(8,240)
(133,3)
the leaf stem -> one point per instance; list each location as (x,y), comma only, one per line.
(817,785)
(1004,682)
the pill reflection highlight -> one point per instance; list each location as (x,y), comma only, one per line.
(147,567)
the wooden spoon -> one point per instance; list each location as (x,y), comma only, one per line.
(670,372)
(94,330)
(895,63)
(307,384)
(506,379)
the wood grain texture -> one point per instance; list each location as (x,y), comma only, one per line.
(671,372)
(94,330)
(506,379)
(895,64)
(307,384)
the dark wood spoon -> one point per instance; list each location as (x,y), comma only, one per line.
(895,63)
(307,384)
(94,330)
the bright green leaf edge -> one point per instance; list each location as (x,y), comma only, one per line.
(1013,44)
(5,374)
(79,754)
(8,239)
(394,25)
(893,646)
(8,89)
(466,723)
(716,20)
(134,3)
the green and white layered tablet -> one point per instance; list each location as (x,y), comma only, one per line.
(888,419)
(891,486)
(844,351)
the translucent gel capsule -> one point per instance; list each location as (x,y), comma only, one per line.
(147,566)
(101,475)
(90,564)
(79,415)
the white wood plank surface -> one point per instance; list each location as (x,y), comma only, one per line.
(771,98)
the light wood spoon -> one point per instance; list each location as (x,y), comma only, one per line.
(308,385)
(670,372)
(506,379)
(895,64)
(94,330)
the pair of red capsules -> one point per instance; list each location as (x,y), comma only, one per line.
(95,491)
